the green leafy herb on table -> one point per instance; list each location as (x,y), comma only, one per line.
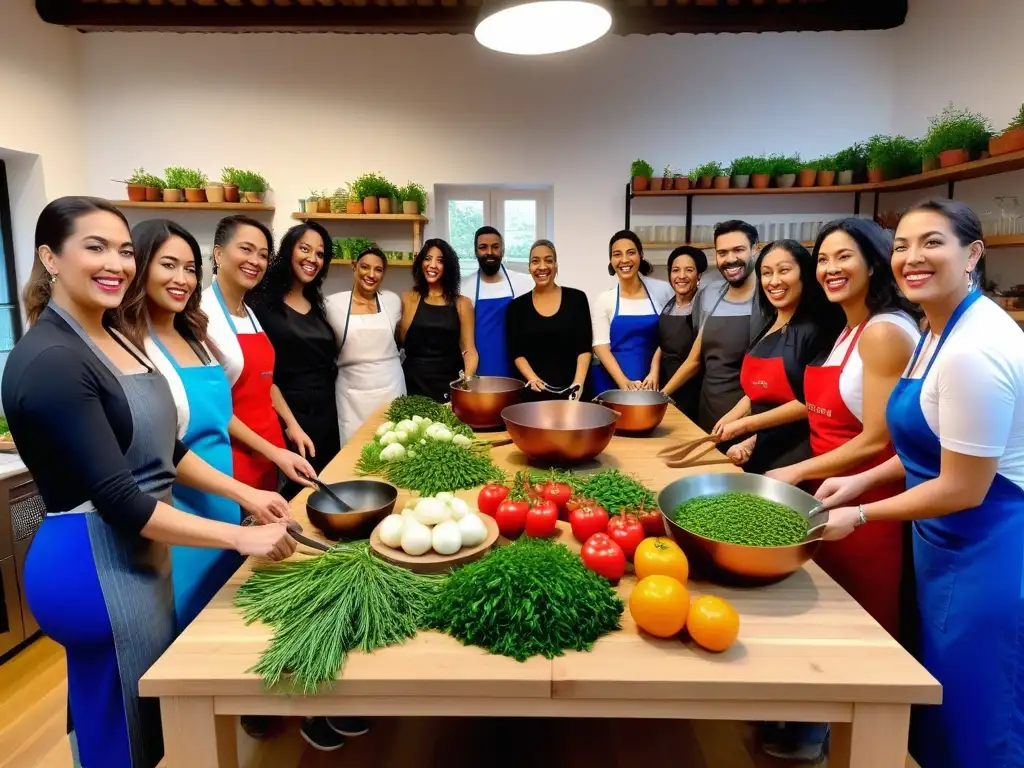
(437,466)
(323,608)
(742,518)
(532,597)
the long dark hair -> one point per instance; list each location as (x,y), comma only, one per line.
(625,234)
(278,280)
(964,221)
(133,315)
(56,223)
(875,245)
(814,306)
(451,277)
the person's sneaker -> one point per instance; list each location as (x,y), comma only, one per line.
(257,726)
(805,742)
(319,735)
(349,726)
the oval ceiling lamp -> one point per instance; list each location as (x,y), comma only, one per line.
(538,27)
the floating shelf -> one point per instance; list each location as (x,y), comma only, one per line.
(417,221)
(995,241)
(1005,241)
(194,206)
(703,246)
(1016,314)
(391,263)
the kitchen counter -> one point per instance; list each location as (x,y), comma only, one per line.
(807,652)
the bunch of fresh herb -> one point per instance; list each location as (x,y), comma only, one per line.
(532,597)
(406,406)
(616,492)
(708,169)
(956,128)
(250,181)
(435,466)
(747,165)
(323,608)
(783,165)
(184,178)
(896,156)
(853,158)
(823,163)
(413,192)
(369,461)
(372,185)
(641,168)
(742,518)
(229,176)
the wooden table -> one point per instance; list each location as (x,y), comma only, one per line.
(807,652)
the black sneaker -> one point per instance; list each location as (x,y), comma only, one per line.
(804,742)
(257,726)
(349,726)
(319,735)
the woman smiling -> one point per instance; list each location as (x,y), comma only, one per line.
(676,333)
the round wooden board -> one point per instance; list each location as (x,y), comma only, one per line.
(432,562)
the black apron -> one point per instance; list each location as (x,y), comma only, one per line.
(676,337)
(433,350)
(723,345)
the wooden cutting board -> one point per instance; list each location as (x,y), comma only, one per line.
(432,562)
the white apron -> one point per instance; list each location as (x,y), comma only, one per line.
(369,366)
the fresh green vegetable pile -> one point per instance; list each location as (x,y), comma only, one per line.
(615,491)
(742,518)
(405,407)
(437,466)
(532,597)
(324,607)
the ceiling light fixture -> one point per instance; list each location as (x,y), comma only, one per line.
(538,27)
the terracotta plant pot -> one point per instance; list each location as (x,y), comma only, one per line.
(641,183)
(681,183)
(953,157)
(324,205)
(173,196)
(845,178)
(825,179)
(721,182)
(929,164)
(785,180)
(153,194)
(354,207)
(311,206)
(1010,141)
(410,207)
(875,175)
(215,194)
(136,192)
(230,193)
(384,204)
(807,177)
(193,195)
(370,205)
(741,180)
(760,180)
(706,182)
(253,197)
(656,183)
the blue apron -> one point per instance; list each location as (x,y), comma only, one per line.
(969,567)
(633,342)
(489,317)
(197,572)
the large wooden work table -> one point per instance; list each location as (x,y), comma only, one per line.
(807,652)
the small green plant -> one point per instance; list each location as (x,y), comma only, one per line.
(667,173)
(896,156)
(785,164)
(745,166)
(641,168)
(348,248)
(1018,120)
(250,181)
(823,163)
(708,169)
(184,178)
(138,176)
(853,158)
(314,195)
(229,176)
(956,128)
(339,200)
(371,185)
(413,192)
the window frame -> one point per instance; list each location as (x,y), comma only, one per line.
(11,301)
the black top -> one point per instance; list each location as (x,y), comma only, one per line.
(305,350)
(550,344)
(433,350)
(72,424)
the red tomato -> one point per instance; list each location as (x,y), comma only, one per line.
(575,502)
(491,495)
(542,519)
(604,557)
(587,520)
(511,517)
(627,532)
(651,520)
(559,493)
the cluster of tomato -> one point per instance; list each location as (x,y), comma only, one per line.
(533,509)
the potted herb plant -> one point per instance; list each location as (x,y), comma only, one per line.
(892,157)
(154,187)
(229,177)
(761,172)
(661,182)
(825,169)
(389,192)
(414,198)
(641,171)
(784,169)
(955,134)
(371,187)
(312,203)
(174,184)
(339,200)
(136,184)
(323,202)
(189,180)
(252,186)
(680,182)
(850,161)
(807,176)
(1010,140)
(354,207)
(742,168)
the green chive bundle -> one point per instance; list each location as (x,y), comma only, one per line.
(323,608)
(406,406)
(439,466)
(742,518)
(532,597)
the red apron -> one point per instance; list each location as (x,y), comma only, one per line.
(868,563)
(251,403)
(764,381)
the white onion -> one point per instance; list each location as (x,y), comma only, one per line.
(415,538)
(446,538)
(391,530)
(472,530)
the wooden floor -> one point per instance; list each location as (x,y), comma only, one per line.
(33,691)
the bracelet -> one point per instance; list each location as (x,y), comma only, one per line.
(862,519)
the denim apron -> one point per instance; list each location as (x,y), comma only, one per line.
(489,315)
(633,340)
(969,567)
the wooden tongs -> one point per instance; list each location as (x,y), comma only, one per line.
(687,454)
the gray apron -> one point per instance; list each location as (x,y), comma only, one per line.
(134,572)
(676,336)
(724,342)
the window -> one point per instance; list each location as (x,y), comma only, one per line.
(521,214)
(10,315)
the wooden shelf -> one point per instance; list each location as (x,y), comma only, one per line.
(1005,241)
(410,217)
(1016,314)
(391,263)
(194,206)
(972,170)
(704,246)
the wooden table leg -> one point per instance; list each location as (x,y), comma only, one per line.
(194,736)
(877,738)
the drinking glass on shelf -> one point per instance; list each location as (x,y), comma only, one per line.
(762,232)
(1009,215)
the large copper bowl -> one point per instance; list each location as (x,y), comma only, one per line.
(738,564)
(640,410)
(479,401)
(560,431)
(368,502)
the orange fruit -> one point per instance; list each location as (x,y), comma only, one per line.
(661,557)
(659,605)
(713,623)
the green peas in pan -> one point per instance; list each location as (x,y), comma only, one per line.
(742,518)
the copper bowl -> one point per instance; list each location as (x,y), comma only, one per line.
(479,401)
(370,501)
(640,410)
(560,431)
(738,564)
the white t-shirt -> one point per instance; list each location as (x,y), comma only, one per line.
(851,380)
(520,284)
(222,339)
(603,309)
(973,397)
(174,382)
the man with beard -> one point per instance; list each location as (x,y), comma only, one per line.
(728,321)
(492,289)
